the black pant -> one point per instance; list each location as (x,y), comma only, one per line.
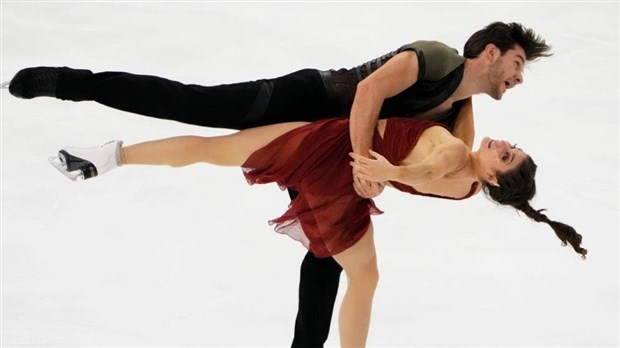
(300,96)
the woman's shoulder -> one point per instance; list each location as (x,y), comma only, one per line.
(440,133)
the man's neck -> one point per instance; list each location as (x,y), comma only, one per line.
(473,81)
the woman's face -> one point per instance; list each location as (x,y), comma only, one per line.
(499,156)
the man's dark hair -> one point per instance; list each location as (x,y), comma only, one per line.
(505,36)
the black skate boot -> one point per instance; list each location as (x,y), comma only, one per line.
(34,82)
(85,163)
(47,82)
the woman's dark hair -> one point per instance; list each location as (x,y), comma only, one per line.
(516,188)
(505,36)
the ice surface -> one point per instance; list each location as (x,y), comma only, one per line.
(184,257)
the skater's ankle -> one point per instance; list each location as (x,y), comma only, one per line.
(121,156)
(74,84)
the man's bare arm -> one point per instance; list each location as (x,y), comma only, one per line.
(464,125)
(393,77)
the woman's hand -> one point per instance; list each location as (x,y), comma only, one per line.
(376,169)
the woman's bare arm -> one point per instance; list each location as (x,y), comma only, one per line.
(445,158)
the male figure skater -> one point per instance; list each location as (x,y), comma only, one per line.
(423,79)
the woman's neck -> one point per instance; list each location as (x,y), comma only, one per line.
(474,168)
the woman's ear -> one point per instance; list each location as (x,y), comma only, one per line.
(492,180)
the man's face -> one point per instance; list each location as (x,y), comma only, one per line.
(506,71)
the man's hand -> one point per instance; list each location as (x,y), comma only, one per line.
(367,189)
(365,185)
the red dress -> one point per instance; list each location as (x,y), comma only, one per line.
(327,216)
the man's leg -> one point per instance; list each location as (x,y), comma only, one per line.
(318,287)
(299,96)
(218,106)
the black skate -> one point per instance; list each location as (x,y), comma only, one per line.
(85,163)
(35,82)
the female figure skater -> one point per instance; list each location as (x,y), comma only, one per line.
(416,156)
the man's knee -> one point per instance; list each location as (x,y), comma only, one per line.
(320,267)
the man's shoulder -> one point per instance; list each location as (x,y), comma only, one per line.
(435,58)
(430,46)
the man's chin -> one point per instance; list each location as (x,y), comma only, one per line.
(497,95)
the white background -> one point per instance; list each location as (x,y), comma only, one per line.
(184,257)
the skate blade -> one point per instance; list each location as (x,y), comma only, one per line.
(59,164)
(5,84)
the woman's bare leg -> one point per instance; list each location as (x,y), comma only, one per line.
(228,150)
(360,265)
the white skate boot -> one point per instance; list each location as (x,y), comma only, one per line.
(85,163)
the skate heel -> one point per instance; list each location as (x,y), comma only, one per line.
(85,163)
(73,167)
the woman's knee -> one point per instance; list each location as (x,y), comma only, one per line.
(365,274)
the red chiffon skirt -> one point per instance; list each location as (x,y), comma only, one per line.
(327,216)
